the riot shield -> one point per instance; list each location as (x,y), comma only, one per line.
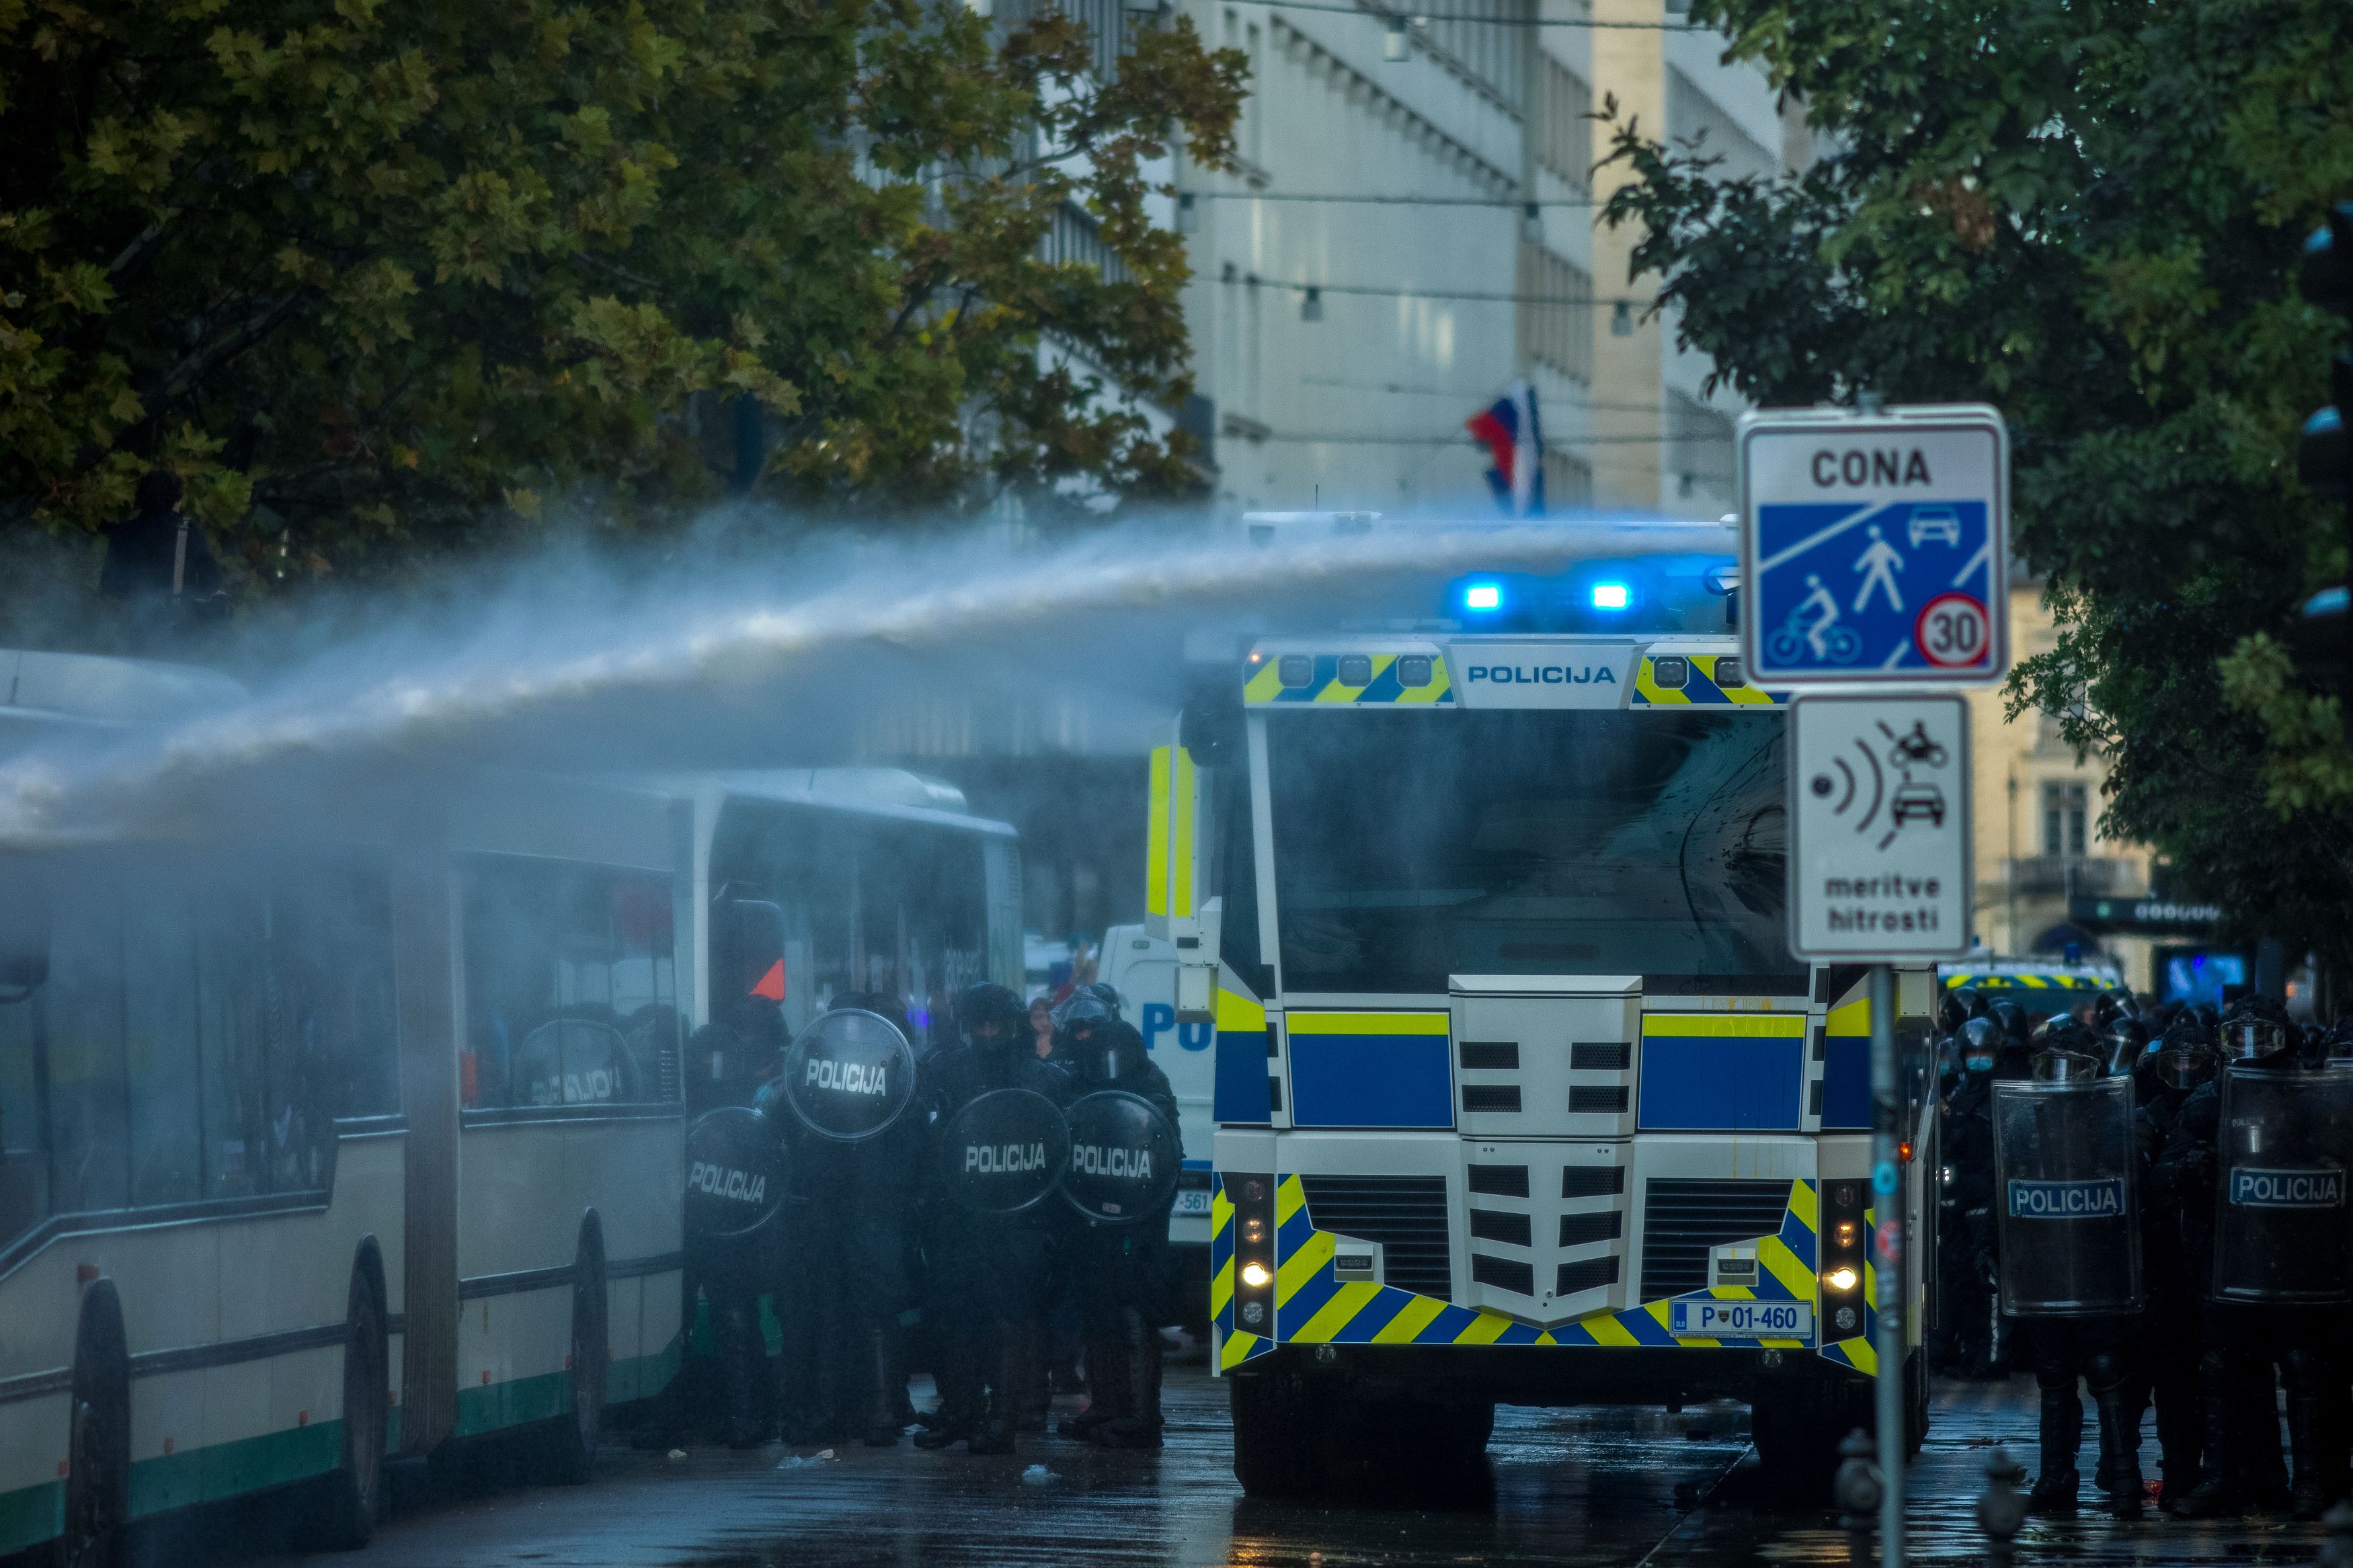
(2280,1222)
(2067,1199)
(1004,1152)
(1125,1158)
(736,1175)
(850,1075)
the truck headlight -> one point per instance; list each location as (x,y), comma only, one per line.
(1255,1275)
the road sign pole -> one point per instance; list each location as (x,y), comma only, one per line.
(1887,1193)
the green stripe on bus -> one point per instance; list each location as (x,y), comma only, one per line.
(641,1377)
(221,1470)
(32,1515)
(498,1406)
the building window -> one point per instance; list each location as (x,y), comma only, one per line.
(1564,134)
(2065,819)
(1555,314)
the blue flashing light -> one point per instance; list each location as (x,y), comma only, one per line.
(1610,597)
(1482,596)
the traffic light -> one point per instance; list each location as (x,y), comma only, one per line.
(2322,637)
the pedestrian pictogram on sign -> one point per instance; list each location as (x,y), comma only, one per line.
(1875,548)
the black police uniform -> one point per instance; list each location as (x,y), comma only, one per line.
(1971,1309)
(734,1273)
(2165,1352)
(2239,1346)
(846,1289)
(987,1272)
(1122,1271)
(2093,1350)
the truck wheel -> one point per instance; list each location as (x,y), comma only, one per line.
(1276,1453)
(98,1453)
(356,1490)
(1798,1433)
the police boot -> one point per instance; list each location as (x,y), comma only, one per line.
(890,1388)
(1107,1391)
(1139,1427)
(2119,1453)
(1009,1392)
(745,1361)
(2062,1435)
(961,1405)
(2215,1495)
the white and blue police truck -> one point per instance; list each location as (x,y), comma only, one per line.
(1518,1094)
(1143,969)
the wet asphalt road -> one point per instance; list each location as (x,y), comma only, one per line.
(1630,1489)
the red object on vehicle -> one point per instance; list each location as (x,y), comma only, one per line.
(772,985)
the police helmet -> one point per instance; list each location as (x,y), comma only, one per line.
(1110,1051)
(2128,1042)
(2118,1002)
(1981,1042)
(1077,1022)
(2013,1019)
(2256,1041)
(2182,1063)
(1972,1000)
(992,1017)
(2257,1033)
(2339,1041)
(2059,1065)
(1952,1012)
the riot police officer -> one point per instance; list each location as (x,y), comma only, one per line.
(1964,1230)
(2173,1067)
(2077,1345)
(734,1273)
(988,1273)
(1121,1267)
(2246,1328)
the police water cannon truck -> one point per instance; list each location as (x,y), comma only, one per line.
(1518,1094)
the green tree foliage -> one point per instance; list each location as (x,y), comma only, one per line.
(386,277)
(2086,212)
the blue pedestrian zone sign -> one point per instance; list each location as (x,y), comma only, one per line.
(1875,548)
(1855,587)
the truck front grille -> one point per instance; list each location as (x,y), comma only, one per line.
(1684,1220)
(1406,1214)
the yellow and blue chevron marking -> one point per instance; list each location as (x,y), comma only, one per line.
(1700,690)
(2027,982)
(1311,1307)
(1265,683)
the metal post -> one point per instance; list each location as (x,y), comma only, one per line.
(1887,1194)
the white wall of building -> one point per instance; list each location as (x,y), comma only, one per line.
(1429,312)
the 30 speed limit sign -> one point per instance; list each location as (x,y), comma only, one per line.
(1954,632)
(1875,547)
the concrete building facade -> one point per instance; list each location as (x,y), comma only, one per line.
(1374,273)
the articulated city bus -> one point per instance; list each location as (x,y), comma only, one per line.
(320,1150)
(317,1150)
(1519,1095)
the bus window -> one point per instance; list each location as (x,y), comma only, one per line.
(159,1016)
(570,989)
(233,1040)
(90,1139)
(330,954)
(24,1159)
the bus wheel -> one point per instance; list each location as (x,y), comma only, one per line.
(98,1452)
(1276,1451)
(573,1442)
(356,1490)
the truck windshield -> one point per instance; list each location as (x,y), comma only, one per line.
(1413,846)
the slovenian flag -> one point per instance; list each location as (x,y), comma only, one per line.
(1509,431)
